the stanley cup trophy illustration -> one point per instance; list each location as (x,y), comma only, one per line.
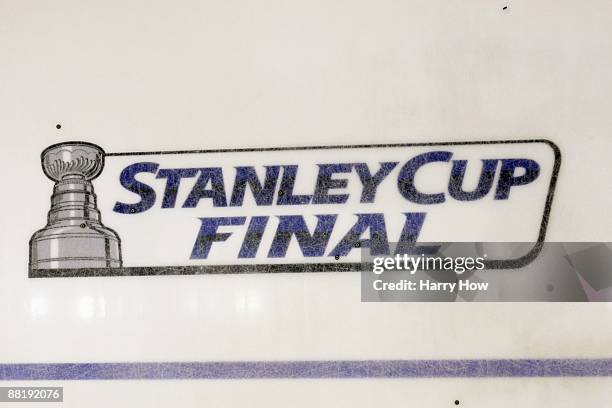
(74,236)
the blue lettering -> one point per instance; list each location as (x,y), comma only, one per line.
(311,245)
(371,183)
(326,183)
(455,185)
(378,242)
(129,182)
(208,234)
(405,181)
(507,179)
(263,195)
(285,195)
(173,181)
(214,175)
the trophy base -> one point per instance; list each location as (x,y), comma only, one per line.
(73,245)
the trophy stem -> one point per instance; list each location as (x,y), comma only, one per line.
(73,199)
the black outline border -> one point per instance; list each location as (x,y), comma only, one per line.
(306,267)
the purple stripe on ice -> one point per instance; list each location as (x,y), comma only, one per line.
(310,369)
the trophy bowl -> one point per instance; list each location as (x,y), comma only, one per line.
(72,159)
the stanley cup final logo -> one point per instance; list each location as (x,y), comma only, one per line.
(74,236)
